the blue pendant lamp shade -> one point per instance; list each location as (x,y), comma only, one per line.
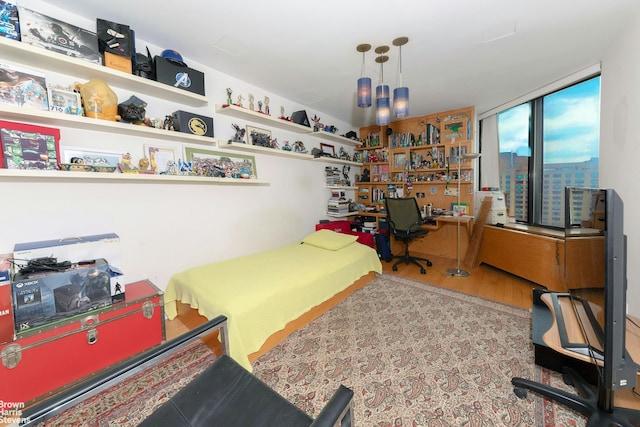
(401,93)
(383,103)
(383,111)
(364,83)
(364,92)
(401,102)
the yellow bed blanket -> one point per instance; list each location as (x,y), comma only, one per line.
(262,292)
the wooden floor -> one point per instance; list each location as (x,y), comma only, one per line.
(484,281)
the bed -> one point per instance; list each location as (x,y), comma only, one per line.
(262,293)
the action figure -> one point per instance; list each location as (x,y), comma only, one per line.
(239,136)
(251,106)
(229,92)
(266,105)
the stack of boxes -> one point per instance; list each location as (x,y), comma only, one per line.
(498,212)
(73,277)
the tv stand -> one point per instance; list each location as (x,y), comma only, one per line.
(586,400)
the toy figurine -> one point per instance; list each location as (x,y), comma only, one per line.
(266,105)
(298,147)
(239,136)
(251,106)
(229,92)
(239,102)
(99,100)
(286,146)
(316,123)
(260,106)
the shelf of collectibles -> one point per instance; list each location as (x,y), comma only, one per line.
(374,182)
(424,153)
(339,182)
(260,117)
(260,141)
(36,57)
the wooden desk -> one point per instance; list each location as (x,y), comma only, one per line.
(442,239)
(624,398)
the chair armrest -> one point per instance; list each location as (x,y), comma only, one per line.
(338,411)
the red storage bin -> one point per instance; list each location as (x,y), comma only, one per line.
(344,227)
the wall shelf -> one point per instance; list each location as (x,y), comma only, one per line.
(42,59)
(261,118)
(336,138)
(342,215)
(263,150)
(274,122)
(340,187)
(326,159)
(52,118)
(37,175)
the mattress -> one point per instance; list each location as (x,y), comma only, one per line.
(262,292)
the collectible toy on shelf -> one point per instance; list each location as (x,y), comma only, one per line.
(58,36)
(99,101)
(9,22)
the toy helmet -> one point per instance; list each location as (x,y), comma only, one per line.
(173,56)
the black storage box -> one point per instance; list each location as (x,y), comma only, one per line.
(179,76)
(300,117)
(193,123)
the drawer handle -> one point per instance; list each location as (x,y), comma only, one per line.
(147,309)
(92,336)
(89,321)
(11,355)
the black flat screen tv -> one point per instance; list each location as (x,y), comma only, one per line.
(596,253)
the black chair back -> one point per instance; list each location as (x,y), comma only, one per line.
(403,214)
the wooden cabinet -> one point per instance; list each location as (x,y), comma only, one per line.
(420,159)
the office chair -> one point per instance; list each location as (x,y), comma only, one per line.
(405,222)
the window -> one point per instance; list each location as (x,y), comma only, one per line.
(546,144)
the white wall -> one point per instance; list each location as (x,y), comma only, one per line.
(166,228)
(620,142)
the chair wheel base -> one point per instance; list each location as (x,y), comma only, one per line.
(423,271)
(395,268)
(429,263)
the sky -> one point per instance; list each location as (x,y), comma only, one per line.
(571,125)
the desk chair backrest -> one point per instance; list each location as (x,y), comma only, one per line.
(403,214)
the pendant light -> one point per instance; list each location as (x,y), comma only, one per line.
(401,93)
(383,104)
(364,83)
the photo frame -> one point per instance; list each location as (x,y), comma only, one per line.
(162,159)
(328,149)
(220,164)
(26,146)
(460,209)
(64,101)
(91,156)
(257,136)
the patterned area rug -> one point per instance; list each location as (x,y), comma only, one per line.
(416,355)
(131,401)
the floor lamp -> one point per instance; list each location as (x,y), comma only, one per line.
(458,272)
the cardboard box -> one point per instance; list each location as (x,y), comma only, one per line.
(179,76)
(46,297)
(7,328)
(193,123)
(58,36)
(118,62)
(75,250)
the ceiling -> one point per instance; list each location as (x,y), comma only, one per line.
(460,53)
